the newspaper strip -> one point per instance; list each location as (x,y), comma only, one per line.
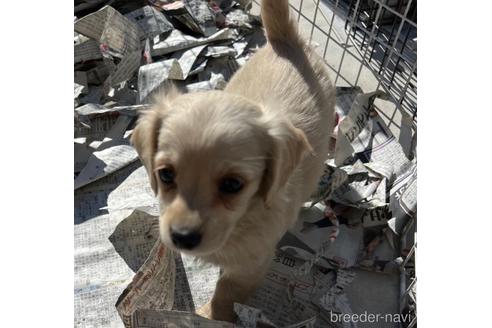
(278,312)
(196,15)
(111,29)
(199,66)
(255,40)
(216,82)
(104,162)
(100,274)
(151,21)
(352,125)
(134,237)
(377,146)
(186,59)
(240,46)
(202,279)
(85,51)
(118,36)
(408,135)
(91,200)
(82,152)
(88,5)
(147,55)
(132,110)
(220,51)
(224,66)
(403,198)
(94,127)
(313,230)
(179,41)
(93,25)
(151,76)
(335,300)
(79,38)
(376,217)
(272,298)
(152,286)
(331,179)
(98,193)
(380,254)
(116,135)
(240,19)
(146,318)
(122,94)
(98,74)
(93,109)
(364,188)
(183,299)
(385,165)
(80,83)
(125,69)
(249,317)
(203,15)
(373,141)
(125,197)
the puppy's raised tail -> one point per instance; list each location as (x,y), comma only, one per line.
(278,24)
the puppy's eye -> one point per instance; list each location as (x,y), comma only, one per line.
(230,186)
(167,175)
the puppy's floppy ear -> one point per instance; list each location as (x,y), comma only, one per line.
(146,132)
(144,139)
(288,144)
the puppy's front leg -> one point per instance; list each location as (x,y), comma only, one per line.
(235,286)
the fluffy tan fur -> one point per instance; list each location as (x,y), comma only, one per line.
(269,128)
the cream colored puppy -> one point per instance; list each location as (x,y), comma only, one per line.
(232,168)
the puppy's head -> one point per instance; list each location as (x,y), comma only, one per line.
(211,156)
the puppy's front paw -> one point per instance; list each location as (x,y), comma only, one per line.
(219,313)
(205,311)
(222,310)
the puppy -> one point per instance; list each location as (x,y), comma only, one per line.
(232,168)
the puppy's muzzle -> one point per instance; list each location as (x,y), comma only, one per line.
(185,239)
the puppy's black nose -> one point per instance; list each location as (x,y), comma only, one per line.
(185,239)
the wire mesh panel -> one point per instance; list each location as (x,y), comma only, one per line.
(372,44)
(368,43)
(380,35)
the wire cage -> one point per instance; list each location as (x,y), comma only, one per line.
(372,44)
